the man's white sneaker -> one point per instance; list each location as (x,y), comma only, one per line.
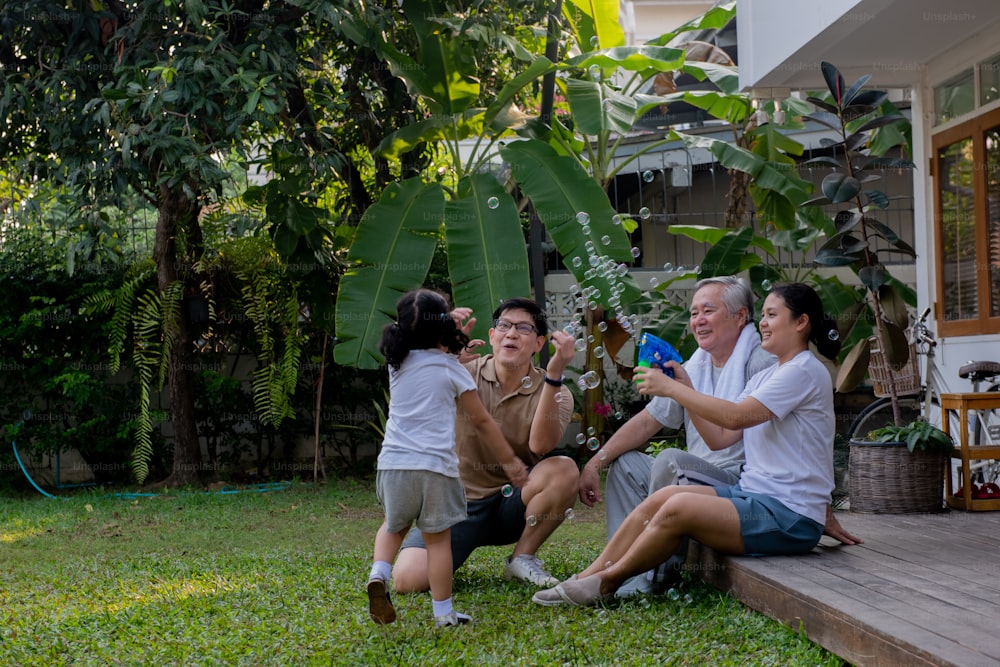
(529,569)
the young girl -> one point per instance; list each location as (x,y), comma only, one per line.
(785,417)
(417,478)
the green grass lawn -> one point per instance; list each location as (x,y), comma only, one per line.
(278,578)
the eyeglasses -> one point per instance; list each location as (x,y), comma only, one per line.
(523,328)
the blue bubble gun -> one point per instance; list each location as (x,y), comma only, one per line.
(655,352)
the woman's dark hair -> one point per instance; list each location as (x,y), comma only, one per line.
(423,321)
(803,300)
(528,306)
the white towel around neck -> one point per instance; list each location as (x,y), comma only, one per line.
(732,381)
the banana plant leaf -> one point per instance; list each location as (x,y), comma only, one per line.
(733,109)
(645,59)
(487,258)
(765,174)
(390,255)
(597,108)
(596,22)
(564,195)
(445,75)
(436,128)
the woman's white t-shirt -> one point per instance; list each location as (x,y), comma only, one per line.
(420,429)
(790,457)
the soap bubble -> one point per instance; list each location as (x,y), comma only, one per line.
(605,240)
(585,229)
(673,593)
(526,382)
(583,217)
(591,430)
(592,305)
(595,41)
(507,491)
(648,176)
(644,213)
(668,267)
(696,268)
(688,599)
(580,344)
(591,379)
(595,72)
(531,520)
(636,252)
(833,335)
(593,444)
(577,262)
(493,202)
(602,326)
(616,219)
(569,514)
(590,338)
(765,285)
(654,281)
(599,352)
(580,438)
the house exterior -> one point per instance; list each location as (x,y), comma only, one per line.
(944,57)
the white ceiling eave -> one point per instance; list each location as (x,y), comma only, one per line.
(782,43)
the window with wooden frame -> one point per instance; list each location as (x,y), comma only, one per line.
(966,171)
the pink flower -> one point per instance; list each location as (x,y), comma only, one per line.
(602,409)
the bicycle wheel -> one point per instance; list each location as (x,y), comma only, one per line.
(987,432)
(879,414)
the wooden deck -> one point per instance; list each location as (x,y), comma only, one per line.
(922,589)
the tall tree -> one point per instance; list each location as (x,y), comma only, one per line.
(157,97)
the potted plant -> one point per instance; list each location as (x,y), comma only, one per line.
(899,468)
(902,470)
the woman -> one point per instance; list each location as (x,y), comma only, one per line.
(785,417)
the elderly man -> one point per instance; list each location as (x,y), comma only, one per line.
(728,355)
(533,408)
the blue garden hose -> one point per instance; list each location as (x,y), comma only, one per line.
(259,488)
(25,470)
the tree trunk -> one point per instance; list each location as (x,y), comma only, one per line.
(178,214)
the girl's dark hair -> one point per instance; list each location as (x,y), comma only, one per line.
(803,300)
(422,322)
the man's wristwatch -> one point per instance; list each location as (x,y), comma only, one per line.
(555,383)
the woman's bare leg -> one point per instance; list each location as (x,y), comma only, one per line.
(656,526)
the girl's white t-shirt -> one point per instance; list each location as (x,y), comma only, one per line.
(420,428)
(790,457)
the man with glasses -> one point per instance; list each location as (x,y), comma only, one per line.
(532,408)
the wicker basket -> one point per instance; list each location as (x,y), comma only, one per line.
(887,478)
(907,377)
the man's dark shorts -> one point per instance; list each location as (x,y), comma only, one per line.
(491,521)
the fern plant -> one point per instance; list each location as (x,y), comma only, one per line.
(148,318)
(271,302)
